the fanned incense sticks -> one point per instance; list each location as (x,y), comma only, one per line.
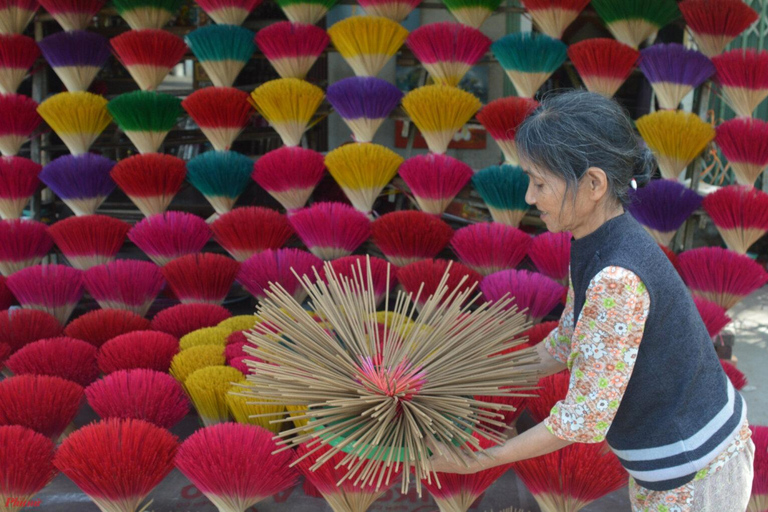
(305,11)
(204,277)
(101,325)
(236,466)
(73,15)
(290,175)
(131,285)
(634,22)
(19,327)
(743,78)
(675,137)
(78,118)
(55,289)
(89,240)
(146,117)
(26,465)
(331,230)
(17,55)
(292,48)
(221,176)
(434,180)
(363,103)
(150,181)
(448,50)
(740,215)
(534,294)
(439,111)
(246,231)
(472,13)
(553,16)
(715,23)
(23,243)
(15,15)
(501,118)
(744,143)
(150,350)
(18,182)
(503,189)
(419,390)
(148,55)
(275,266)
(367,42)
(395,10)
(222,113)
(228,12)
(407,236)
(68,358)
(139,394)
(117,462)
(662,206)
(489,247)
(76,57)
(529,59)
(722,276)
(207,389)
(147,14)
(83,182)
(603,64)
(222,51)
(18,122)
(362,171)
(674,71)
(288,104)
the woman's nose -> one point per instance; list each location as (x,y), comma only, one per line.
(529,198)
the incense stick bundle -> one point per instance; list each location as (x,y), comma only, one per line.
(381,399)
(553,16)
(676,137)
(633,22)
(439,111)
(288,104)
(367,42)
(674,71)
(292,48)
(73,15)
(15,15)
(76,57)
(362,171)
(17,54)
(78,118)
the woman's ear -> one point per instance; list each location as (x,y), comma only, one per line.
(597,183)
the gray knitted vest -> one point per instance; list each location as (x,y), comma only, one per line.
(679,411)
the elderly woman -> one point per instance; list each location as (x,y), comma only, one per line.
(644,373)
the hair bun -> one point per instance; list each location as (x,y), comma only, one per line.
(644,166)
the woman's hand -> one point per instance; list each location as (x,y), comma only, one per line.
(448,463)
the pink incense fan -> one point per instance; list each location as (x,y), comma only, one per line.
(55,289)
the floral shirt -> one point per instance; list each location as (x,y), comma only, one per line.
(600,352)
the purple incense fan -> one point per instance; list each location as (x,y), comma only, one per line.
(76,57)
(662,206)
(674,71)
(82,182)
(364,103)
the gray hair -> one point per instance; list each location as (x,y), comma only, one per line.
(572,131)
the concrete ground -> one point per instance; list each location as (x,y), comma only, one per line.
(176,494)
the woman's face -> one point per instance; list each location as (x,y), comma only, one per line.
(547,192)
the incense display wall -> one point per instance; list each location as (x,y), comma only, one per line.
(174,232)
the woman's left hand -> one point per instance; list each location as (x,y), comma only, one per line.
(448,464)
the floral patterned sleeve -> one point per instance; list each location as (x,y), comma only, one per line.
(558,342)
(603,349)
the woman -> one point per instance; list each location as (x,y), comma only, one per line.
(644,373)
